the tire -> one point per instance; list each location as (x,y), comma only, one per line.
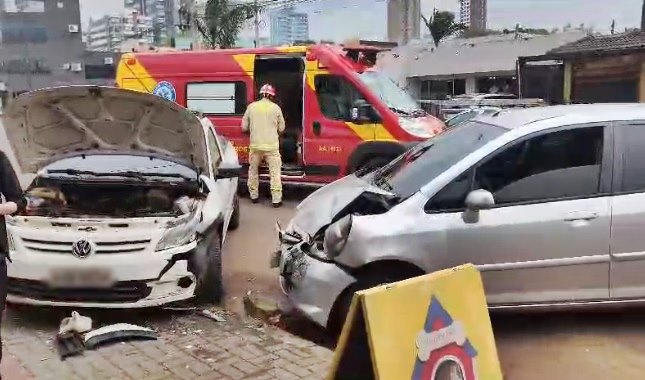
(210,289)
(234,223)
(344,301)
(372,164)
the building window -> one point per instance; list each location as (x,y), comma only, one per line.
(442,89)
(21,66)
(99,71)
(494,85)
(18,34)
(217,98)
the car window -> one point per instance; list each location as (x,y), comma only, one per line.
(460,118)
(216,98)
(336,96)
(555,165)
(216,156)
(633,145)
(452,196)
(406,174)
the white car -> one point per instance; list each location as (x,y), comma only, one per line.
(131,202)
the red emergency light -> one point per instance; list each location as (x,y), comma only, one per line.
(310,56)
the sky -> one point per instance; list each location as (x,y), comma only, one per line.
(341,19)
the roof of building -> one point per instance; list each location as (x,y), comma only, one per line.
(633,40)
(490,54)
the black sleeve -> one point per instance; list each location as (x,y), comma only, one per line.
(9,185)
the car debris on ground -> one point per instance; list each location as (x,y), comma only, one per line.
(76,335)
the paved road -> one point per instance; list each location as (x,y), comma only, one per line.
(189,345)
(555,346)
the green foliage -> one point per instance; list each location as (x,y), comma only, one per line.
(222,22)
(442,25)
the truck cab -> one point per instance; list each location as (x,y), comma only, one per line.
(341,114)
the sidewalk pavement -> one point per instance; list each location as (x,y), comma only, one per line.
(189,347)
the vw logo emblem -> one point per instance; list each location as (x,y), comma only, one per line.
(82,248)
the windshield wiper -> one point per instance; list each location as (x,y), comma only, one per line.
(147,175)
(125,174)
(400,111)
(413,112)
(77,172)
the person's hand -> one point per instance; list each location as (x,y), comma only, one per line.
(8,208)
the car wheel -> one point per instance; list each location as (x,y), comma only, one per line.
(344,301)
(234,223)
(210,287)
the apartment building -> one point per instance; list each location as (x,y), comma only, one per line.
(288,26)
(473,14)
(398,30)
(163,15)
(40,44)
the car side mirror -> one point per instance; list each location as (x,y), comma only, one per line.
(479,200)
(362,111)
(225,171)
(476,201)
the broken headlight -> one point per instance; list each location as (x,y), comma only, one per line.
(181,231)
(336,236)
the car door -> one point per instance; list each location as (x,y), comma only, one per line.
(546,239)
(330,134)
(219,200)
(627,275)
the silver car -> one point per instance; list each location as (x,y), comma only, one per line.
(548,202)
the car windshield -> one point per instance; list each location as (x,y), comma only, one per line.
(406,174)
(460,118)
(392,95)
(119,165)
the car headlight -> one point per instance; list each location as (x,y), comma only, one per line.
(180,232)
(415,127)
(336,236)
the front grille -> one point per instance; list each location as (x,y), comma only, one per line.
(124,291)
(129,246)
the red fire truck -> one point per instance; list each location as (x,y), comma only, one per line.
(341,114)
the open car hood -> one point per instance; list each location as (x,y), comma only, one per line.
(320,208)
(46,124)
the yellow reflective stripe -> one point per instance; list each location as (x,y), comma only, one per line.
(264,147)
(371,132)
(134,77)
(246,62)
(292,49)
(382,134)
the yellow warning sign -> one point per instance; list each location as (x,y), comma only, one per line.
(432,327)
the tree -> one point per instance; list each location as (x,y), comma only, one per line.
(442,25)
(222,22)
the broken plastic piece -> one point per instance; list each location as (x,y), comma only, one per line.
(117,332)
(75,323)
(69,344)
(214,316)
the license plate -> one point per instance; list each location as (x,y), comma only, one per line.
(81,278)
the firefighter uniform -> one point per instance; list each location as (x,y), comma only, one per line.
(263,119)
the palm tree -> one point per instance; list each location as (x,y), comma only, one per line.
(222,22)
(442,25)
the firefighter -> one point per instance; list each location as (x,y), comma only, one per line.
(264,121)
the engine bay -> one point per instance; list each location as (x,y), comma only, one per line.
(53,198)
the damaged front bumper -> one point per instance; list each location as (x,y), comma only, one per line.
(311,285)
(138,280)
